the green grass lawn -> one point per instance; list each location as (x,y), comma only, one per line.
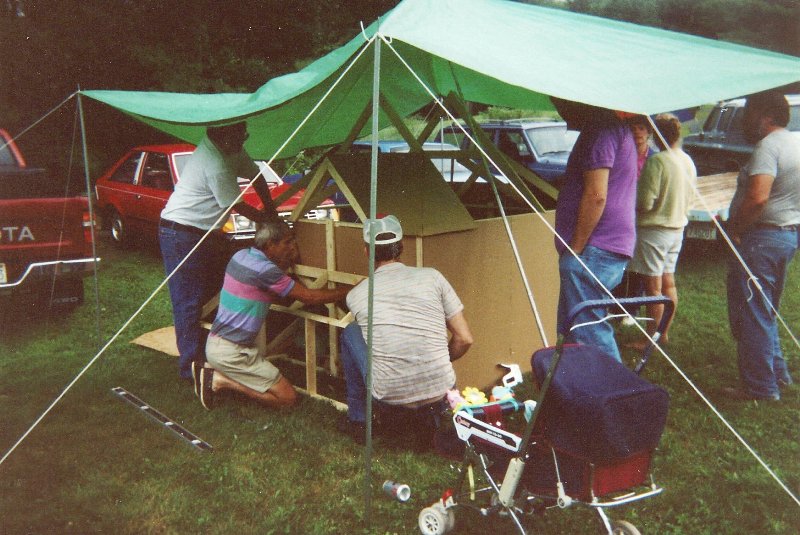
(95,464)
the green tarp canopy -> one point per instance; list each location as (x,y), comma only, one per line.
(489,51)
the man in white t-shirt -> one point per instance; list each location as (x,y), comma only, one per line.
(764,222)
(207,189)
(414,309)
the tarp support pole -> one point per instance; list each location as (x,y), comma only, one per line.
(91,215)
(373,194)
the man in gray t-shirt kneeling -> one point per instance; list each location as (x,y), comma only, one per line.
(413,311)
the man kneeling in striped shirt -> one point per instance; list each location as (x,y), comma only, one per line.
(254,278)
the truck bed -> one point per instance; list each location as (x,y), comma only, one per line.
(716,192)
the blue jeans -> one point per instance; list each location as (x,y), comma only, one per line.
(353,355)
(190,288)
(577,285)
(767,252)
(414,428)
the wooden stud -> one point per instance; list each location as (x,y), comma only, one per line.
(333,334)
(283,337)
(314,183)
(311,356)
(346,191)
(432,123)
(344,147)
(313,316)
(397,122)
(294,188)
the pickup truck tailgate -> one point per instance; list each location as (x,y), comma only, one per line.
(38,230)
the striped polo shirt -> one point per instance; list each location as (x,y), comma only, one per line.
(411,360)
(252,282)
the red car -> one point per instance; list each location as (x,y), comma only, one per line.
(132,193)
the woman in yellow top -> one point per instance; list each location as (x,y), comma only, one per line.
(664,194)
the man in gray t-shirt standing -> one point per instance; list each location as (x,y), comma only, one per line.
(208,186)
(764,222)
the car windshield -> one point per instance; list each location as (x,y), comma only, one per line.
(180,162)
(552,139)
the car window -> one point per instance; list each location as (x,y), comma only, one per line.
(794,119)
(512,144)
(156,173)
(6,157)
(711,120)
(736,121)
(725,117)
(552,140)
(180,162)
(126,172)
(454,136)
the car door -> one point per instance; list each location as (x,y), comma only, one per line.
(154,186)
(119,191)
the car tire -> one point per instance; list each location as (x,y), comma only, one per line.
(118,228)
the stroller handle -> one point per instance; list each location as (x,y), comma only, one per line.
(669,308)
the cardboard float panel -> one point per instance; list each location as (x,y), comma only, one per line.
(480,265)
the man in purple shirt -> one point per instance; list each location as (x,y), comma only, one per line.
(254,278)
(595,217)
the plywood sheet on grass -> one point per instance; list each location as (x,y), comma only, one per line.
(161,340)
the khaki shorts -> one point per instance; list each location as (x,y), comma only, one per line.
(657,251)
(245,365)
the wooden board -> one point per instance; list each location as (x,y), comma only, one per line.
(716,190)
(161,340)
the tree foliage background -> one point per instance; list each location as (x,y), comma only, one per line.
(50,48)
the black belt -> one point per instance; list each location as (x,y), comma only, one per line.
(166,223)
(767,226)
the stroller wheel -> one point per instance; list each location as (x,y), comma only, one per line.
(436,520)
(622,527)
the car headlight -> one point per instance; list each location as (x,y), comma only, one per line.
(238,223)
(242,224)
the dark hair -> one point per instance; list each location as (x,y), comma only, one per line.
(769,104)
(578,115)
(639,120)
(226,133)
(670,127)
(389,251)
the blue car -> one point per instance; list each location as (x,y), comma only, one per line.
(543,146)
(451,170)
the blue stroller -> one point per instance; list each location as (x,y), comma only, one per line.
(588,439)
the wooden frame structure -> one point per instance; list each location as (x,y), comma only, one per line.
(476,259)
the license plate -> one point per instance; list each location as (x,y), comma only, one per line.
(3,274)
(701,232)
